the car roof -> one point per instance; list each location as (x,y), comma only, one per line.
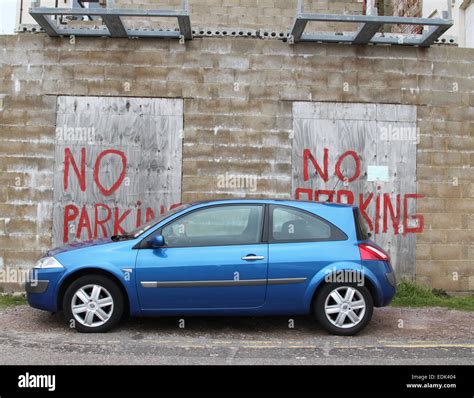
(288,202)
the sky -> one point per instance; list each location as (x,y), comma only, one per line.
(7,16)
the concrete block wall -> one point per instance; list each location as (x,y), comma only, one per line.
(238,96)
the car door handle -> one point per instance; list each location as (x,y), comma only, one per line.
(252,257)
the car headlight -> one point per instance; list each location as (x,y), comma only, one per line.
(48,262)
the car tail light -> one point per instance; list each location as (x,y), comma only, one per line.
(369,252)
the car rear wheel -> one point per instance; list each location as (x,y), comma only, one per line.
(93,304)
(343,308)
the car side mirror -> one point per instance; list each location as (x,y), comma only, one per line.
(157,242)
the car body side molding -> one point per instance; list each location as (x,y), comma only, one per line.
(248,282)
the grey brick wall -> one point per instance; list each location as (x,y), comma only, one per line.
(240,131)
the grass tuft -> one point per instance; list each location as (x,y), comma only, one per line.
(410,294)
(7,301)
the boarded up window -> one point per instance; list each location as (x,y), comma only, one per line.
(362,154)
(117,164)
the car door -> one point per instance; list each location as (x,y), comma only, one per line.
(300,245)
(212,258)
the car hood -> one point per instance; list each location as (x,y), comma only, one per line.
(79,245)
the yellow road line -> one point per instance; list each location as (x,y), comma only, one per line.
(295,345)
(429,345)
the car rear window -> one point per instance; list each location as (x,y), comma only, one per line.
(294,225)
(361,228)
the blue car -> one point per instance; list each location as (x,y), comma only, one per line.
(226,257)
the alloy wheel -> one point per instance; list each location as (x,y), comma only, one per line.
(92,305)
(345,307)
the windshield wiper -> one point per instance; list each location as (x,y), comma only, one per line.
(117,238)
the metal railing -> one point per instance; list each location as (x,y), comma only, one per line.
(112,19)
(369,26)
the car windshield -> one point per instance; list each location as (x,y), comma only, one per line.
(145,227)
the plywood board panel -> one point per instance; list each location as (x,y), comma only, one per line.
(116,159)
(353,137)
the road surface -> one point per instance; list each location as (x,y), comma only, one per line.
(395,336)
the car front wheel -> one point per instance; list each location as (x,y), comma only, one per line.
(93,304)
(343,308)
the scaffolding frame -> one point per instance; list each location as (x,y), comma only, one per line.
(112,19)
(369,25)
(366,33)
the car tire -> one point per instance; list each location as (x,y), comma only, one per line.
(340,314)
(98,304)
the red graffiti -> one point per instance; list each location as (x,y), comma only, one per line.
(419,219)
(349,196)
(386,208)
(150,214)
(329,194)
(93,226)
(97,220)
(303,191)
(70,214)
(98,223)
(324,173)
(307,155)
(357,166)
(116,185)
(364,204)
(81,175)
(391,219)
(377,212)
(84,222)
(119,219)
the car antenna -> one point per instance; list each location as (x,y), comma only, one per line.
(335,186)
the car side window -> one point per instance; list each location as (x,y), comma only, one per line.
(293,225)
(216,226)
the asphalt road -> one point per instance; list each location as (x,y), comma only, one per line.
(395,336)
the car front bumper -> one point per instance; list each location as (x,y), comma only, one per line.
(41,289)
(37,286)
